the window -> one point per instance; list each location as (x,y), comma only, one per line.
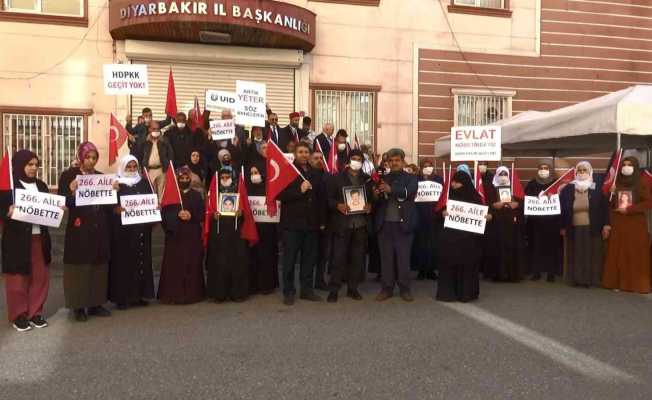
(481,107)
(58,12)
(53,137)
(481,3)
(349,108)
(493,8)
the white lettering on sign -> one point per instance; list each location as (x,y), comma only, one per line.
(140,209)
(467,217)
(543,205)
(95,190)
(258,15)
(222,129)
(38,208)
(259,209)
(250,109)
(475,143)
(122,79)
(428,191)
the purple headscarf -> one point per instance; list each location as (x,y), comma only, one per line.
(85,148)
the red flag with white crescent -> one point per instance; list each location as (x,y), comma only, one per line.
(565,179)
(280,173)
(117,137)
(612,174)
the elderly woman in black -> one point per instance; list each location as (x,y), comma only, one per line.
(86,250)
(26,251)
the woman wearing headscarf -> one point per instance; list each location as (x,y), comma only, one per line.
(131,280)
(627,265)
(544,242)
(430,225)
(198,171)
(263,257)
(26,251)
(182,273)
(505,247)
(584,224)
(459,278)
(86,250)
(227,259)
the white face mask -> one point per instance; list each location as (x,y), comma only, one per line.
(482,169)
(627,170)
(131,174)
(428,171)
(544,173)
(156,134)
(227,182)
(341,147)
(256,178)
(181,125)
(387,170)
(503,180)
(583,176)
(223,144)
(355,165)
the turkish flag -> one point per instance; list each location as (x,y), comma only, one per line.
(171,100)
(249,231)
(196,117)
(211,207)
(443,199)
(612,173)
(479,187)
(565,179)
(171,193)
(646,177)
(117,137)
(6,178)
(517,188)
(280,173)
(332,159)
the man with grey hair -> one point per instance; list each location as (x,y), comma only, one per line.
(396,221)
(325,139)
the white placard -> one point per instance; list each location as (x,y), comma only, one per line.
(222,129)
(122,79)
(95,190)
(38,208)
(218,100)
(475,143)
(428,191)
(466,216)
(259,209)
(250,108)
(140,209)
(543,205)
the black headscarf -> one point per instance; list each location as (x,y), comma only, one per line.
(631,182)
(467,192)
(18,164)
(198,169)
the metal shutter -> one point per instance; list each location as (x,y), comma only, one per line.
(193,79)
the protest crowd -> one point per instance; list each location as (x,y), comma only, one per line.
(327,206)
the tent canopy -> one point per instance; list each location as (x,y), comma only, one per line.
(592,126)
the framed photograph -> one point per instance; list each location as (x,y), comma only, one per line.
(228,203)
(355,198)
(505,194)
(624,199)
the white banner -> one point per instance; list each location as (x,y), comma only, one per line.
(122,79)
(466,216)
(38,208)
(250,108)
(218,100)
(475,143)
(95,190)
(429,191)
(259,209)
(543,205)
(222,129)
(140,209)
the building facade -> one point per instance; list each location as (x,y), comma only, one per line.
(396,73)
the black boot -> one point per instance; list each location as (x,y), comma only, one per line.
(550,278)
(80,315)
(332,297)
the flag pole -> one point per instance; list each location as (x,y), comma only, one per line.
(475,173)
(176,183)
(149,180)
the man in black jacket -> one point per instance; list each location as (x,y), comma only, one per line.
(302,213)
(325,139)
(155,155)
(346,193)
(182,140)
(395,221)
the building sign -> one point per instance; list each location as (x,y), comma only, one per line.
(295,26)
(475,143)
(126,79)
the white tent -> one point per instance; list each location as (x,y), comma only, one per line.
(597,125)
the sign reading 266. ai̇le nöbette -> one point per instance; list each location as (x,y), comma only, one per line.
(475,143)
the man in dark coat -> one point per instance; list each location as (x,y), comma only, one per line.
(301,217)
(182,140)
(350,228)
(325,139)
(395,221)
(290,133)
